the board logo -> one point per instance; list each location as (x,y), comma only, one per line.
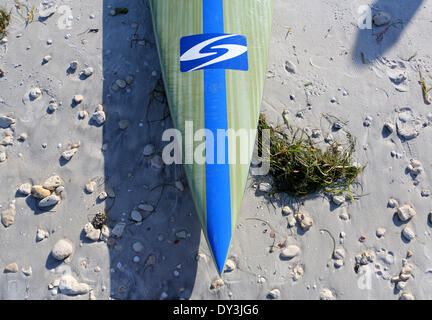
(213,51)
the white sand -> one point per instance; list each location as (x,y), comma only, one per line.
(328,46)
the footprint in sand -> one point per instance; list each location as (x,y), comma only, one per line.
(407,124)
(395,70)
(383,269)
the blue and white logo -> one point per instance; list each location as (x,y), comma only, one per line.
(213,51)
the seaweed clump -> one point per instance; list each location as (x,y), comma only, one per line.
(4,23)
(299,167)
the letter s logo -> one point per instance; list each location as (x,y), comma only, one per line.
(213,51)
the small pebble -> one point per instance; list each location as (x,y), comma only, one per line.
(25,189)
(87,72)
(68,285)
(137,247)
(163,295)
(217,284)
(68,154)
(149,150)
(129,79)
(91,232)
(52,182)
(339,253)
(8,216)
(406,296)
(381,18)
(425,193)
(78,98)
(406,212)
(99,117)
(273,294)
(35,93)
(401,285)
(46,59)
(265,187)
(118,229)
(408,233)
(74,65)
(146,207)
(179,185)
(11,268)
(338,263)
(82,114)
(157,162)
(3,156)
(121,83)
(62,249)
(380,232)
(22,137)
(326,294)
(290,252)
(27,271)
(338,200)
(182,234)
(90,186)
(286,210)
(136,216)
(290,67)
(230,265)
(41,234)
(392,203)
(6,121)
(102,196)
(40,192)
(304,220)
(390,127)
(124,124)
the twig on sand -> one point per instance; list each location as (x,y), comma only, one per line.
(157,94)
(30,16)
(380,36)
(412,57)
(424,87)
(288,32)
(272,247)
(334,241)
(363,58)
(93,30)
(328,32)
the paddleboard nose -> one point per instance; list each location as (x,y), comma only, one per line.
(219,245)
(219,218)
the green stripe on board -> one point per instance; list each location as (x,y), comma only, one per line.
(171,21)
(252,19)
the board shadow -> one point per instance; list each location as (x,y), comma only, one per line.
(166,265)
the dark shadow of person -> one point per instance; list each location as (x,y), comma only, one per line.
(371,44)
(162,265)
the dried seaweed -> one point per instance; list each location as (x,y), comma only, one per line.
(299,167)
(5,19)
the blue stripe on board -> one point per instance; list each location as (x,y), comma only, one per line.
(218,195)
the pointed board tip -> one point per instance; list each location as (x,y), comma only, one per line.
(219,249)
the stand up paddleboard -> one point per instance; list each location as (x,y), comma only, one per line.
(213,55)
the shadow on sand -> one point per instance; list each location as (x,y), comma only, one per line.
(376,42)
(166,263)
